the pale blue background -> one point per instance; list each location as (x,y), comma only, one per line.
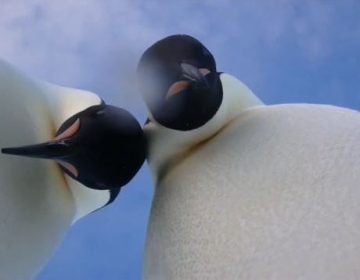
(285,51)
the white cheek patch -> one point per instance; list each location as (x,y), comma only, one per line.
(70,131)
(69,167)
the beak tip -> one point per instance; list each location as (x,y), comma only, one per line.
(8,151)
(4,150)
(47,150)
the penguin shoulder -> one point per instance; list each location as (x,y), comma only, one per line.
(65,102)
(168,145)
(285,125)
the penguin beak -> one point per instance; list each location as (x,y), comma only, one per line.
(190,74)
(194,74)
(59,148)
(55,149)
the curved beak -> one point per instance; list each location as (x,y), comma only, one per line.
(190,75)
(55,149)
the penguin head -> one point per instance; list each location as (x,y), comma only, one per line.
(179,82)
(188,99)
(101,147)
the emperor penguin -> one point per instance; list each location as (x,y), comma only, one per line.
(244,190)
(96,149)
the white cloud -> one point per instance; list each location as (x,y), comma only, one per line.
(96,44)
(44,34)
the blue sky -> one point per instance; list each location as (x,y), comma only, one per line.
(285,51)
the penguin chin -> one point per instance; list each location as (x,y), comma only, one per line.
(89,195)
(183,122)
(87,200)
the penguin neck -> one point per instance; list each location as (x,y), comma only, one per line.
(48,106)
(63,103)
(167,147)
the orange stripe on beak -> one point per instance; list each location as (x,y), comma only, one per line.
(176,87)
(69,167)
(70,131)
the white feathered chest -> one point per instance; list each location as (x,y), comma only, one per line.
(274,195)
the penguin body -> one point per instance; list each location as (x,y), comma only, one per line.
(39,201)
(257,192)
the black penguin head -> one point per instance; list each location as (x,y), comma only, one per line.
(179,82)
(102,147)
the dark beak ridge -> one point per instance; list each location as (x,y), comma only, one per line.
(193,74)
(48,150)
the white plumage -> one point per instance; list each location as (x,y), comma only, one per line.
(258,192)
(38,202)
